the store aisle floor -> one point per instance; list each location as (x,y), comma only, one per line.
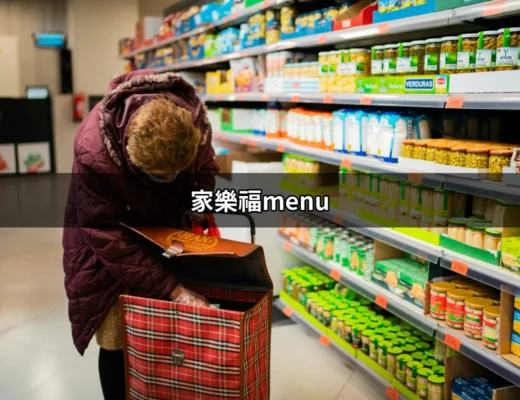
(38,360)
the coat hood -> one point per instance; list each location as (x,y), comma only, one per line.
(128,92)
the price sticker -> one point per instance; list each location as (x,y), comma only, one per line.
(287,246)
(280,148)
(325,341)
(494,9)
(246,53)
(383,28)
(218,97)
(295,98)
(241,97)
(234,16)
(346,162)
(338,219)
(328,99)
(452,341)
(459,267)
(217,135)
(392,393)
(365,100)
(381,301)
(243,140)
(288,311)
(253,142)
(267,3)
(224,136)
(335,274)
(322,39)
(455,102)
(264,97)
(415,177)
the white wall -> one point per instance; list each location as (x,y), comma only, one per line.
(94,28)
(153,8)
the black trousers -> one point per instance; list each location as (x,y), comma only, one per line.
(112,374)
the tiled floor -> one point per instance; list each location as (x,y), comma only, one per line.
(38,360)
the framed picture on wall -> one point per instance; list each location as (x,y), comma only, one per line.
(34,158)
(7,159)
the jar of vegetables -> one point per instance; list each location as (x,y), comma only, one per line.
(507,49)
(419,151)
(432,52)
(422,382)
(442,205)
(448,57)
(403,58)
(475,232)
(442,153)
(408,148)
(436,387)
(477,157)
(493,239)
(390,59)
(415,201)
(455,307)
(417,53)
(457,156)
(412,367)
(377,60)
(498,159)
(467,52)
(457,229)
(486,51)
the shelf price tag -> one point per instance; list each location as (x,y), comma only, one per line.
(241,96)
(245,53)
(452,341)
(459,267)
(264,97)
(381,301)
(328,99)
(218,97)
(243,140)
(287,246)
(267,3)
(288,311)
(346,162)
(365,100)
(392,393)
(494,9)
(335,274)
(455,102)
(234,16)
(280,148)
(253,142)
(322,39)
(415,177)
(223,136)
(383,28)
(338,219)
(295,98)
(325,341)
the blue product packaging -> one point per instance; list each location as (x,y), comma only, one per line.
(356,128)
(394,129)
(338,130)
(457,386)
(420,127)
(373,132)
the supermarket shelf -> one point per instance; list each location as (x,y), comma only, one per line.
(418,23)
(482,356)
(369,290)
(236,18)
(495,276)
(375,378)
(484,188)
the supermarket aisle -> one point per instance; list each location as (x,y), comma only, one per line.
(38,360)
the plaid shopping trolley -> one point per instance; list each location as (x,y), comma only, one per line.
(178,351)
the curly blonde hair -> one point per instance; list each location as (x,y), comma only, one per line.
(162,137)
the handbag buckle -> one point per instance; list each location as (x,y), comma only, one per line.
(178,357)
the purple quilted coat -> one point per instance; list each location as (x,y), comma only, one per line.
(101,259)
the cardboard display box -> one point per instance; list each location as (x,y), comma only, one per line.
(358,14)
(225,161)
(507,307)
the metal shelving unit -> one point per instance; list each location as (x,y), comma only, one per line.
(411,314)
(375,378)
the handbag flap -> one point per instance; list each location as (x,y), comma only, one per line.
(211,261)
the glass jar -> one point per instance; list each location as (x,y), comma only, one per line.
(457,229)
(377,60)
(430,150)
(432,52)
(457,156)
(474,316)
(477,157)
(490,327)
(391,364)
(442,153)
(486,51)
(436,387)
(498,159)
(455,307)
(492,240)
(475,232)
(334,59)
(390,59)
(442,205)
(499,215)
(417,53)
(373,346)
(438,295)
(508,41)
(448,57)
(426,206)
(400,370)
(422,382)
(408,148)
(419,151)
(489,209)
(415,201)
(382,353)
(403,59)
(412,367)
(467,52)
(459,204)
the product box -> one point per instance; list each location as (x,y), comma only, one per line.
(245,75)
(459,369)
(449,4)
(237,120)
(511,253)
(385,15)
(470,251)
(485,82)
(428,84)
(219,82)
(358,14)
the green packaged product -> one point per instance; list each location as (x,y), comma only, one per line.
(382,353)
(430,363)
(356,334)
(374,345)
(409,348)
(419,356)
(422,382)
(365,340)
(412,367)
(402,361)
(391,364)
